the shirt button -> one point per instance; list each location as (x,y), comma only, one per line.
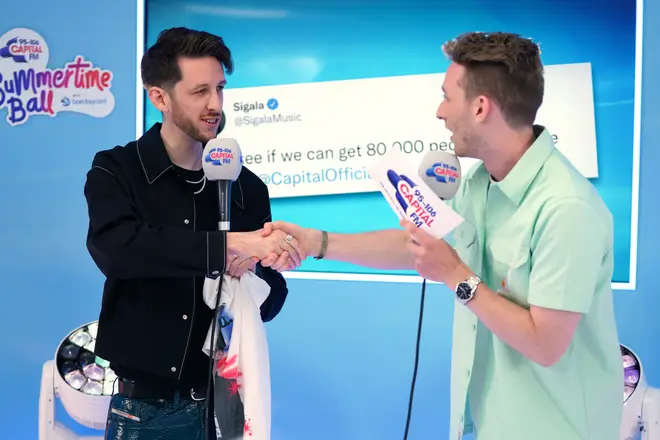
(474,328)
(173,369)
(184,317)
(461,419)
(186,221)
(468,372)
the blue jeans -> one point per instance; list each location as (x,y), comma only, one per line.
(151,419)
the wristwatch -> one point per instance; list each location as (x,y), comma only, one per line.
(465,289)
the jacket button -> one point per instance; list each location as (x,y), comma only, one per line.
(173,369)
(186,221)
(184,317)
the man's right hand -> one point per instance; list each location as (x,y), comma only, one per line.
(309,239)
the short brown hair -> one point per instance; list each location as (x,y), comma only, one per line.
(160,63)
(503,66)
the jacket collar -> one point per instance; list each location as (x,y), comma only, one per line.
(152,154)
(156,162)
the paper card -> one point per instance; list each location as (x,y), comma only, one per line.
(410,197)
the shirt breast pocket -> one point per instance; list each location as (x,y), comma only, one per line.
(511,264)
(467,245)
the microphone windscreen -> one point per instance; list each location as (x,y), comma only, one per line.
(222,159)
(441,171)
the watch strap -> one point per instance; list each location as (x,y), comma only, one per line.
(473,282)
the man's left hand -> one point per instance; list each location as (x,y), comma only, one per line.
(238,266)
(434,258)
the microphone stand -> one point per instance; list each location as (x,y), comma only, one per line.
(224,199)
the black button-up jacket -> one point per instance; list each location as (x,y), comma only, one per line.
(145,238)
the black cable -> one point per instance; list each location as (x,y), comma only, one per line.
(414,377)
(207,415)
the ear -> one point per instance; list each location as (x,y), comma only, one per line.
(159,98)
(482,108)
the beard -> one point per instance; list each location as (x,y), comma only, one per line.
(461,144)
(186,125)
(467,144)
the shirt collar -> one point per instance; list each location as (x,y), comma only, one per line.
(520,178)
(155,161)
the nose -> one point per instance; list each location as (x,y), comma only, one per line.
(215,101)
(440,113)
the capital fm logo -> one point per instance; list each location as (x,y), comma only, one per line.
(28,87)
(443,172)
(411,200)
(219,156)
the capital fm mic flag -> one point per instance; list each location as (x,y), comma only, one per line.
(415,194)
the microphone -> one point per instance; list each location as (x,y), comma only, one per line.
(222,163)
(441,171)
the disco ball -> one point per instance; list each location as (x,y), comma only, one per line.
(83,381)
(641,402)
(80,368)
(631,372)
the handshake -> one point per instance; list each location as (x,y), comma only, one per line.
(279,245)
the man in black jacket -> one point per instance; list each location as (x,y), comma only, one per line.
(153,233)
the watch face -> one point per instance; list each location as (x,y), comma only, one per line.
(463,291)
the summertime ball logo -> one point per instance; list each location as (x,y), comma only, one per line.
(28,87)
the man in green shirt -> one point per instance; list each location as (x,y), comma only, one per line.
(535,345)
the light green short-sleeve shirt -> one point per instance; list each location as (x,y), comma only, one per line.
(541,237)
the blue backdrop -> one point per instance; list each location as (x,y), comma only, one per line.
(341,352)
(344,39)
